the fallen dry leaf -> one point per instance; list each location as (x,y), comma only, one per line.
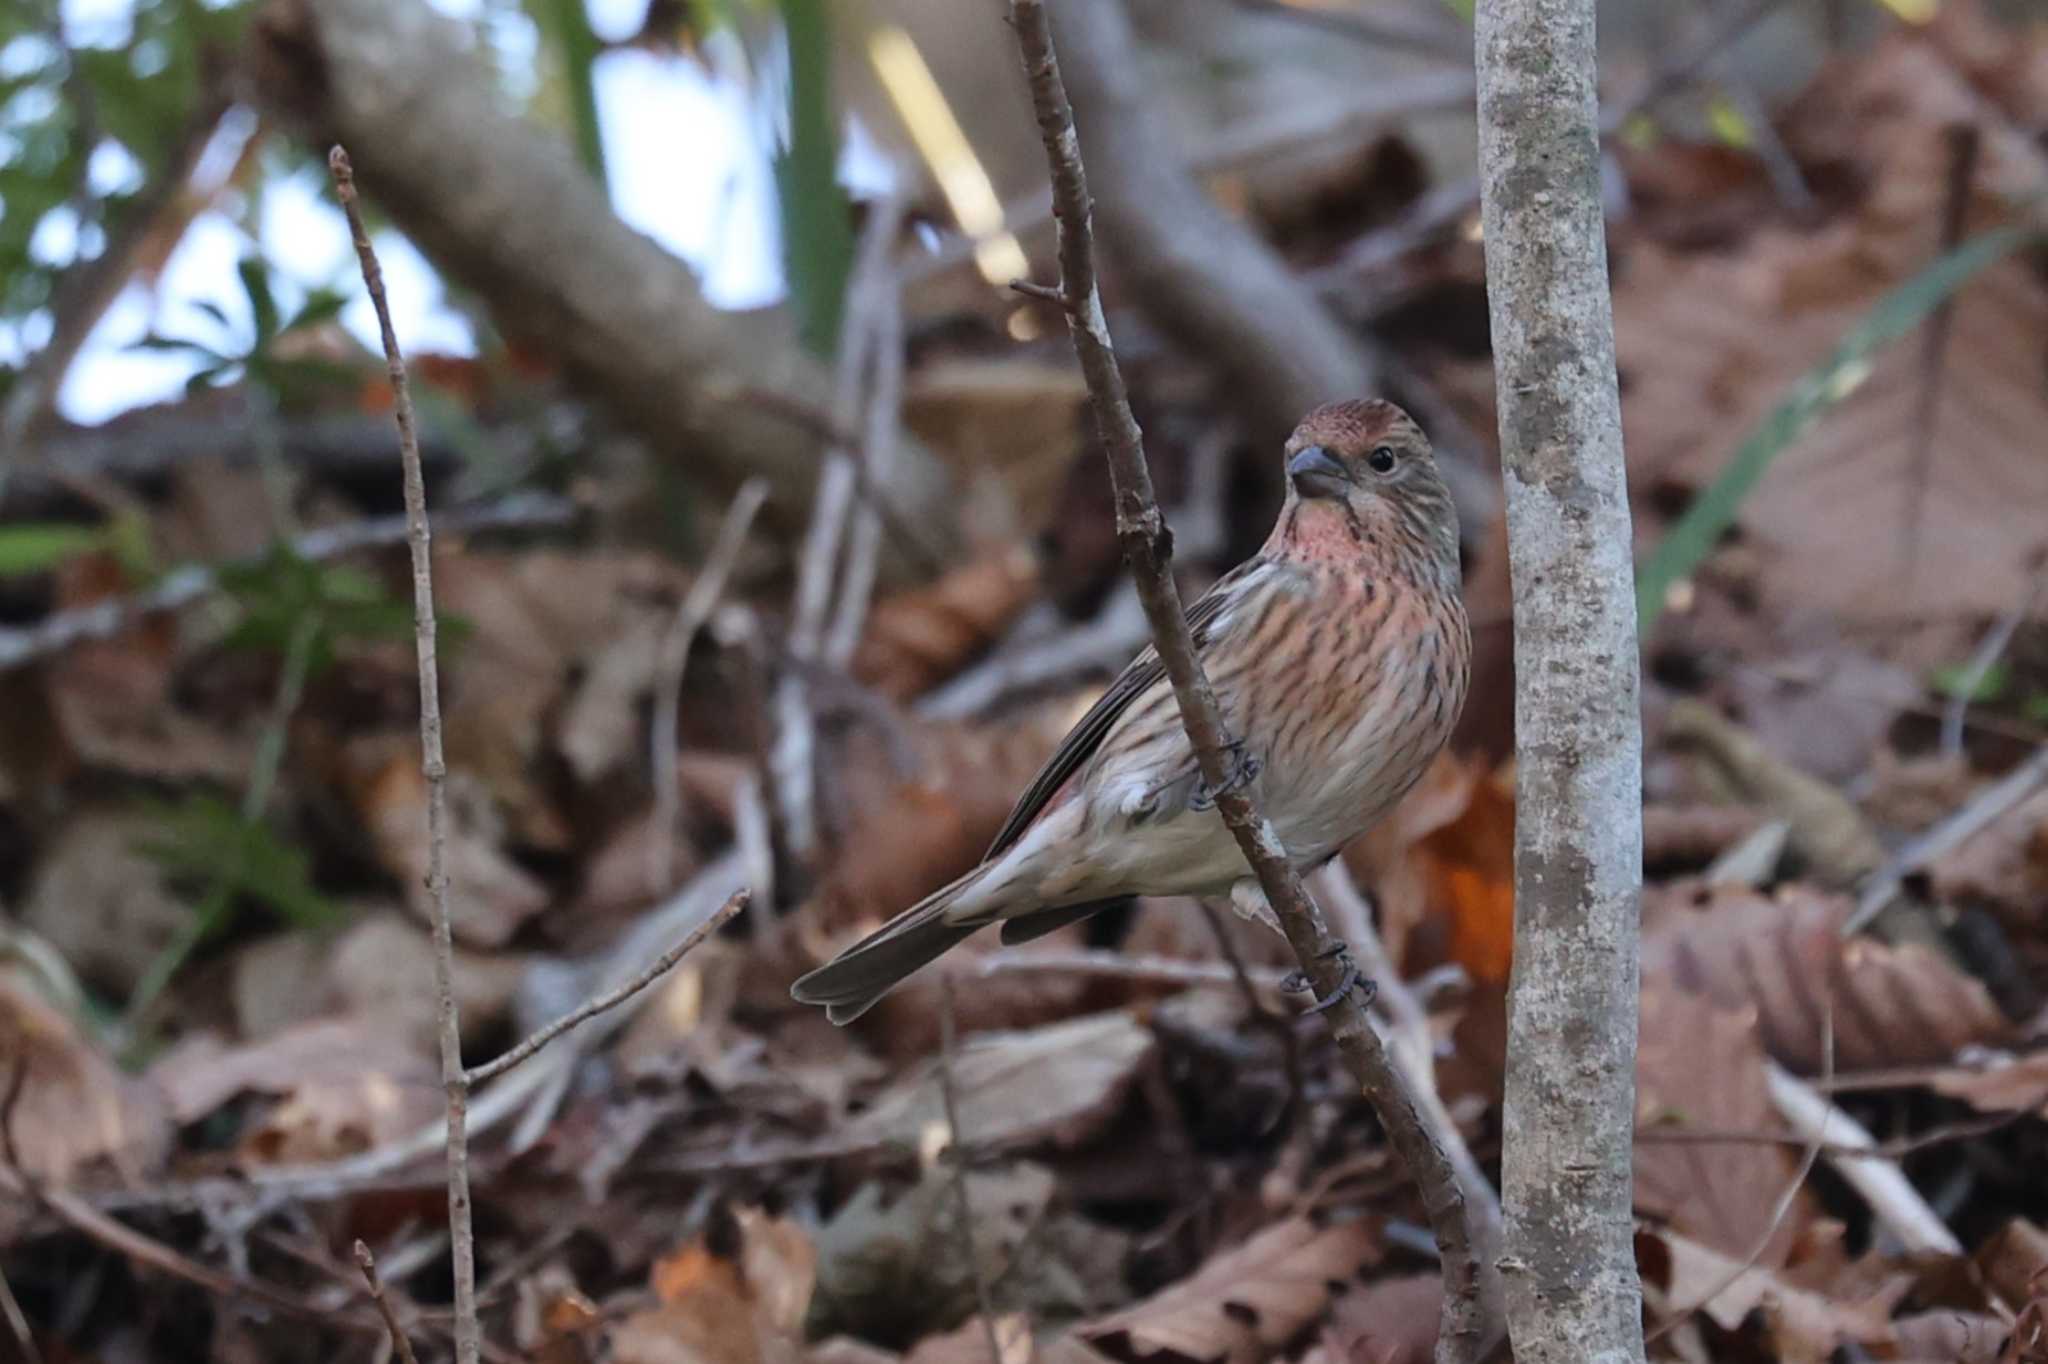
(1441,867)
(1802,1327)
(74,1107)
(968,1344)
(1893,1006)
(1709,342)
(1946,1337)
(2005,1084)
(894,1269)
(954,783)
(715,1310)
(1056,1083)
(2014,1261)
(922,636)
(102,902)
(1701,1066)
(1244,1303)
(1391,1321)
(489,895)
(2003,867)
(343,1085)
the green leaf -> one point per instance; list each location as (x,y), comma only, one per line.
(1953,680)
(1688,542)
(38,547)
(262,303)
(205,838)
(817,224)
(565,27)
(322,305)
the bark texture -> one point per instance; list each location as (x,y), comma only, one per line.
(505,210)
(1572,1287)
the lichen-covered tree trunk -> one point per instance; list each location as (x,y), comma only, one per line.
(1572,1288)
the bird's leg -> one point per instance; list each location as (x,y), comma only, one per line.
(1353,979)
(1244,770)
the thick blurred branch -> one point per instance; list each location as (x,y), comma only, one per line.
(1569,1111)
(504,210)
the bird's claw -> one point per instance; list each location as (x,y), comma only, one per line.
(1244,770)
(1298,982)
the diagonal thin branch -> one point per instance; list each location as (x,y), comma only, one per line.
(462,1234)
(1471,1320)
(610,999)
(368,1263)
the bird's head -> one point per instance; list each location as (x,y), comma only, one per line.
(1362,470)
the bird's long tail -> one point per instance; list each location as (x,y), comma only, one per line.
(850,983)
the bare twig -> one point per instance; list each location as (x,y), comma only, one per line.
(1975,814)
(81,1216)
(1816,1142)
(1223,294)
(368,1264)
(963,1208)
(791,758)
(106,619)
(1281,1028)
(1469,1325)
(1990,649)
(1412,1049)
(691,617)
(462,1235)
(1891,1197)
(612,998)
(1377,30)
(1033,658)
(885,403)
(17,1323)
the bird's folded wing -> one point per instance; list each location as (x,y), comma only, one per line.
(1139,676)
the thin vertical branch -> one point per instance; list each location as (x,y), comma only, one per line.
(885,401)
(691,616)
(963,1208)
(791,757)
(461,1233)
(1470,1324)
(1569,1111)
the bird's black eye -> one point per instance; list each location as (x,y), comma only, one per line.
(1381,460)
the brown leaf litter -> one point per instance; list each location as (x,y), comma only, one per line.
(1778,956)
(1709,342)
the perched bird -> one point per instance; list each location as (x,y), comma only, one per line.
(1339,654)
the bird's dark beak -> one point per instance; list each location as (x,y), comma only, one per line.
(1315,472)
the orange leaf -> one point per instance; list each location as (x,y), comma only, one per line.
(1469,868)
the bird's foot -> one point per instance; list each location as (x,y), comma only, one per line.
(1244,770)
(1298,982)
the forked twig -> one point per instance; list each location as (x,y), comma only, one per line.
(1471,1319)
(434,766)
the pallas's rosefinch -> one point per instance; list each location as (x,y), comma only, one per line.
(1339,654)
